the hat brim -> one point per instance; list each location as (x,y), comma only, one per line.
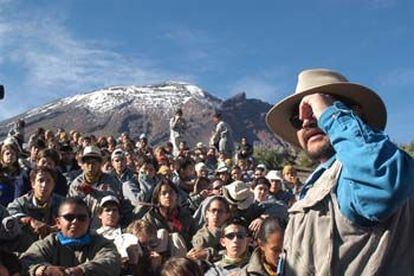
(373,108)
(95,156)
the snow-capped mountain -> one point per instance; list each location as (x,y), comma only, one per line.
(167,96)
(147,109)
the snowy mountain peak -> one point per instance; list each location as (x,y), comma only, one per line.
(166,96)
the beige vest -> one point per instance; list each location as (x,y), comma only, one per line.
(320,240)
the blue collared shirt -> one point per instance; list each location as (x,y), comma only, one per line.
(377,177)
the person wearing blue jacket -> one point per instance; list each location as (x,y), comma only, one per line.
(355,213)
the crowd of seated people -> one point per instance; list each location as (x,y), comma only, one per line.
(77,204)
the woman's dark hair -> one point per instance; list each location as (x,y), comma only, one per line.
(157,190)
(49,153)
(181,267)
(43,169)
(270,225)
(75,200)
(260,181)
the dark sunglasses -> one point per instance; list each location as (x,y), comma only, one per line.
(296,122)
(232,235)
(72,217)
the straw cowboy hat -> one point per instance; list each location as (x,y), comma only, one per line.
(238,193)
(328,82)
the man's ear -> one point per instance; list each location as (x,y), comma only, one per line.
(222,242)
(57,222)
(357,109)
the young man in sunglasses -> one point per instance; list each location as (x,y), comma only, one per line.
(72,250)
(235,239)
(355,213)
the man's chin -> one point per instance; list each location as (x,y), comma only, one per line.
(320,150)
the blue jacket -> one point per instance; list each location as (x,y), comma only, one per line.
(377,177)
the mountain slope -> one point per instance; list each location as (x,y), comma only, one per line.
(139,109)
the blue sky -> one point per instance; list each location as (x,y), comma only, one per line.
(52,49)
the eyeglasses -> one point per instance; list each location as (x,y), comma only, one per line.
(72,217)
(232,235)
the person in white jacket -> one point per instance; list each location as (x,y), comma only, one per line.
(178,125)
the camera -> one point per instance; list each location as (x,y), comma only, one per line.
(1,92)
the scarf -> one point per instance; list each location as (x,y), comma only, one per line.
(268,268)
(175,222)
(38,205)
(234,261)
(109,233)
(84,240)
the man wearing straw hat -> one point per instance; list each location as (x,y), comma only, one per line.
(356,212)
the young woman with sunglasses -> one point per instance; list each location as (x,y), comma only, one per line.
(72,250)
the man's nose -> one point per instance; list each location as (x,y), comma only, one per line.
(309,123)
